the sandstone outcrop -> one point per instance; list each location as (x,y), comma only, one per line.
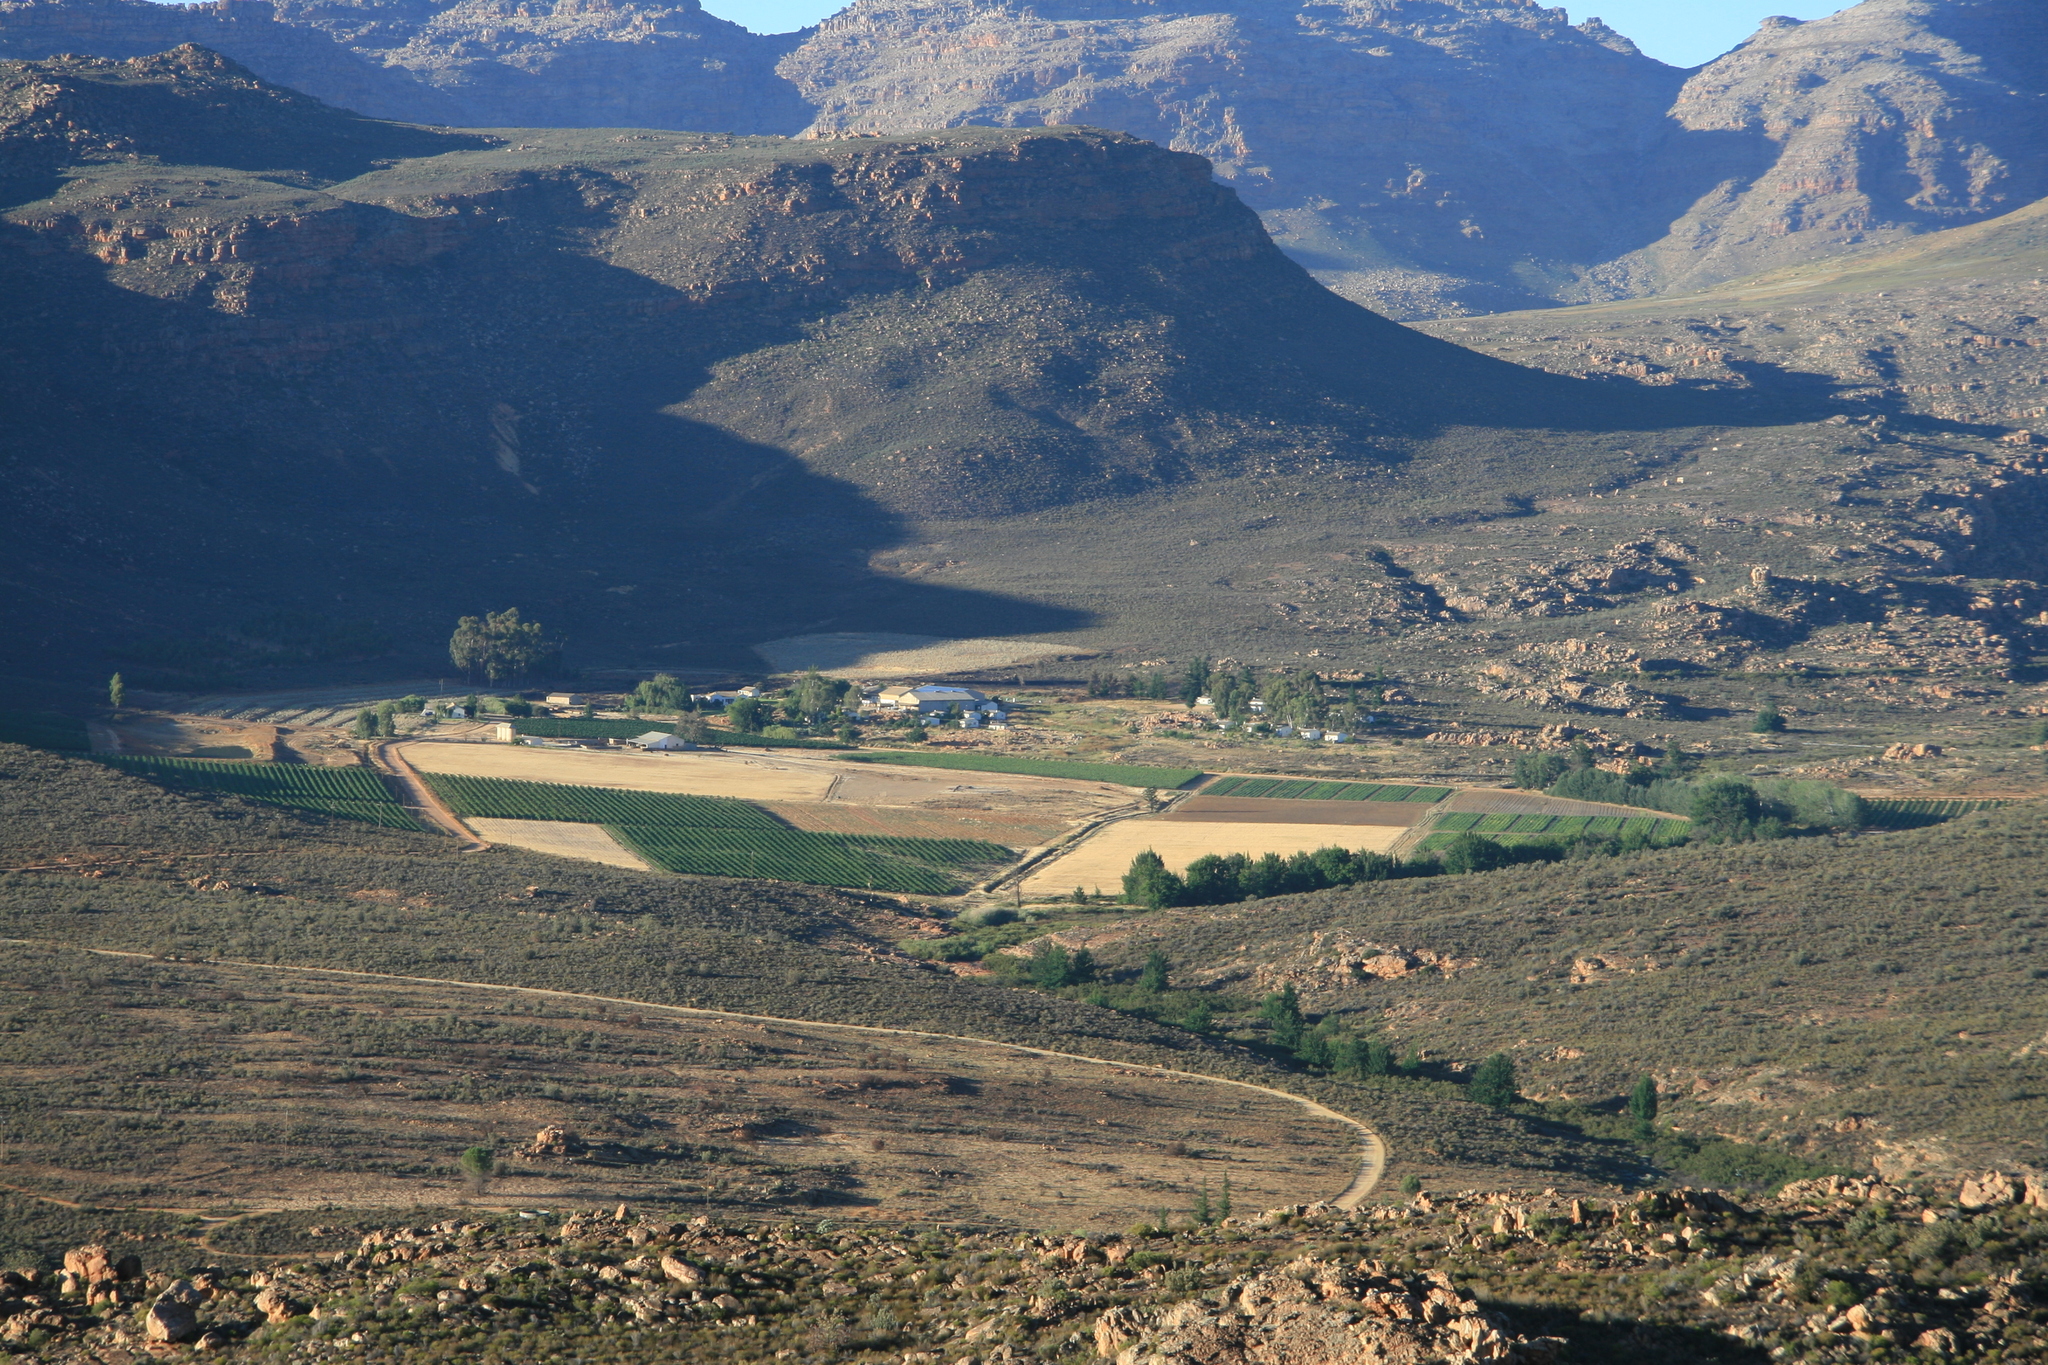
(1314,1312)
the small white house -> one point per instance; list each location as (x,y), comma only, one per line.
(1205,701)
(503,732)
(1311,734)
(1283,730)
(1336,737)
(1258,707)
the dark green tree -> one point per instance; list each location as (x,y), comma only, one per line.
(1535,772)
(1149,884)
(1199,1018)
(366,725)
(745,715)
(1152,977)
(812,695)
(1642,1104)
(1469,852)
(1203,1214)
(1223,1200)
(1725,809)
(1768,721)
(1048,967)
(1282,1011)
(1493,1082)
(499,645)
(477,1163)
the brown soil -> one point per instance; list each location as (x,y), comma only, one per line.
(1257,810)
(320,1090)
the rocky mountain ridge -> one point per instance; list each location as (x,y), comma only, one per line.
(232,294)
(1426,157)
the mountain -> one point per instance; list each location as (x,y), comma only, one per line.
(473,63)
(667,389)
(1425,157)
(1422,152)
(1890,118)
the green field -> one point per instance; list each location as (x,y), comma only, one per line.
(505,799)
(43,731)
(1885,812)
(1122,774)
(355,793)
(715,837)
(1520,829)
(633,729)
(919,866)
(1298,789)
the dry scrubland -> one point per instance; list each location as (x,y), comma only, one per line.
(259,1088)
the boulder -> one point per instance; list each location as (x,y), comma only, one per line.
(174,1317)
(275,1307)
(680,1270)
(1993,1189)
(1314,1312)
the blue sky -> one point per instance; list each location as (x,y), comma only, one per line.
(1681,32)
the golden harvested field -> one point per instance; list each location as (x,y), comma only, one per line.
(747,778)
(321,1089)
(558,837)
(1102,858)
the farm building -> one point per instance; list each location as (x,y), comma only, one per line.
(565,699)
(660,742)
(933,698)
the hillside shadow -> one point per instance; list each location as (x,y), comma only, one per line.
(415,449)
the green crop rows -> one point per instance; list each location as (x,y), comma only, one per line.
(504,799)
(1293,789)
(715,837)
(633,729)
(879,864)
(1516,827)
(1128,776)
(355,793)
(1908,813)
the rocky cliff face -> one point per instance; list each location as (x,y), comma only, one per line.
(1426,157)
(476,63)
(1428,153)
(1890,118)
(229,302)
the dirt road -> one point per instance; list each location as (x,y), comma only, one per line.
(415,795)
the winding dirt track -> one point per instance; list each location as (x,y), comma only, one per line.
(1372,1157)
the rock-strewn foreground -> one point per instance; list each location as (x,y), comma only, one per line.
(1424,156)
(1828,1270)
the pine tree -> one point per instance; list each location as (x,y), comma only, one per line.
(1493,1082)
(1202,1210)
(117,692)
(1282,1010)
(1642,1105)
(1153,977)
(1223,1200)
